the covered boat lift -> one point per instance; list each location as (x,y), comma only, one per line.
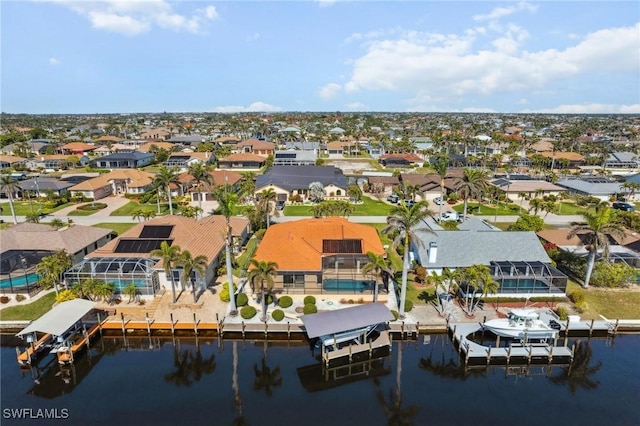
(54,325)
(349,331)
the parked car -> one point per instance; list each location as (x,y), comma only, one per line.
(623,206)
(409,203)
(438,201)
(449,216)
(393,198)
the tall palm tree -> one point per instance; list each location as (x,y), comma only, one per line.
(402,223)
(57,223)
(266,377)
(594,235)
(164,178)
(190,264)
(262,273)
(267,197)
(169,255)
(227,201)
(10,186)
(200,174)
(471,184)
(52,267)
(381,267)
(440,167)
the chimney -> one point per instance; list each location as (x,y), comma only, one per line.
(433,251)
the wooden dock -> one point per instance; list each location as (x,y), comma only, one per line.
(353,349)
(26,357)
(68,354)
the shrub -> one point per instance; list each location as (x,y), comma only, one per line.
(285,301)
(65,295)
(395,314)
(20,297)
(224,294)
(241,299)
(142,302)
(562,313)
(577,297)
(408,305)
(5,299)
(278,315)
(309,308)
(309,300)
(248,312)
(92,206)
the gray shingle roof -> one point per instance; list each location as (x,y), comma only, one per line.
(33,236)
(296,177)
(457,249)
(591,188)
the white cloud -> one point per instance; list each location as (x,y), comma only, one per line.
(254,107)
(252,37)
(54,61)
(440,68)
(501,12)
(135,17)
(326,3)
(329,91)
(356,106)
(593,108)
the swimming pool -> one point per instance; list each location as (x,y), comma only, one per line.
(347,284)
(523,284)
(19,280)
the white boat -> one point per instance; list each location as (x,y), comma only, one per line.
(521,324)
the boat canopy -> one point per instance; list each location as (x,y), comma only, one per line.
(60,318)
(342,320)
(525,313)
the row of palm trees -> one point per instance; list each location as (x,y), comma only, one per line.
(172,256)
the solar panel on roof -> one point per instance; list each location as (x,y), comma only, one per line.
(285,155)
(342,246)
(139,246)
(156,231)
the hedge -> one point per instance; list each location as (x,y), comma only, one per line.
(248,312)
(309,308)
(285,301)
(277,315)
(241,299)
(92,206)
(309,300)
(395,314)
(408,305)
(224,293)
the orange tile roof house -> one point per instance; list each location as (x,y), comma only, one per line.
(322,256)
(255,146)
(127,260)
(220,177)
(242,161)
(127,181)
(77,148)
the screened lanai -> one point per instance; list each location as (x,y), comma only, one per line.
(528,277)
(120,271)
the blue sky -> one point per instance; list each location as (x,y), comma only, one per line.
(62,56)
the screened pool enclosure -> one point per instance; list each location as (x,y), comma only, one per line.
(528,277)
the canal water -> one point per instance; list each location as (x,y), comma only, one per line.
(188,382)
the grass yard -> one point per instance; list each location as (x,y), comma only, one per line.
(131,206)
(490,209)
(118,228)
(28,311)
(369,207)
(565,208)
(23,208)
(610,303)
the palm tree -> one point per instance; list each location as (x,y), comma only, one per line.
(266,378)
(131,291)
(267,196)
(476,277)
(262,272)
(471,184)
(10,186)
(578,374)
(440,167)
(396,413)
(200,175)
(594,235)
(137,214)
(169,255)
(402,222)
(164,178)
(381,267)
(227,201)
(190,264)
(57,223)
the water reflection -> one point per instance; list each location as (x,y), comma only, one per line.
(578,374)
(189,366)
(266,378)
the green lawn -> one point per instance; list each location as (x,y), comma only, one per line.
(131,206)
(28,311)
(490,209)
(118,228)
(565,208)
(610,303)
(23,208)
(369,207)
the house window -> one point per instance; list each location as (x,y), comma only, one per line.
(338,193)
(293,280)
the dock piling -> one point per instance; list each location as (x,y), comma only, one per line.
(591,327)
(489,355)
(195,324)
(99,323)
(148,325)
(243,326)
(124,332)
(173,328)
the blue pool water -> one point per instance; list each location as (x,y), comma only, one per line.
(526,284)
(347,284)
(19,281)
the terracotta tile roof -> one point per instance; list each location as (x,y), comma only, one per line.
(573,156)
(108,139)
(412,158)
(219,177)
(78,146)
(39,236)
(559,237)
(297,246)
(137,179)
(257,144)
(11,159)
(200,237)
(159,144)
(204,156)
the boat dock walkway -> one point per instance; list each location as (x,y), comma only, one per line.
(66,355)
(382,341)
